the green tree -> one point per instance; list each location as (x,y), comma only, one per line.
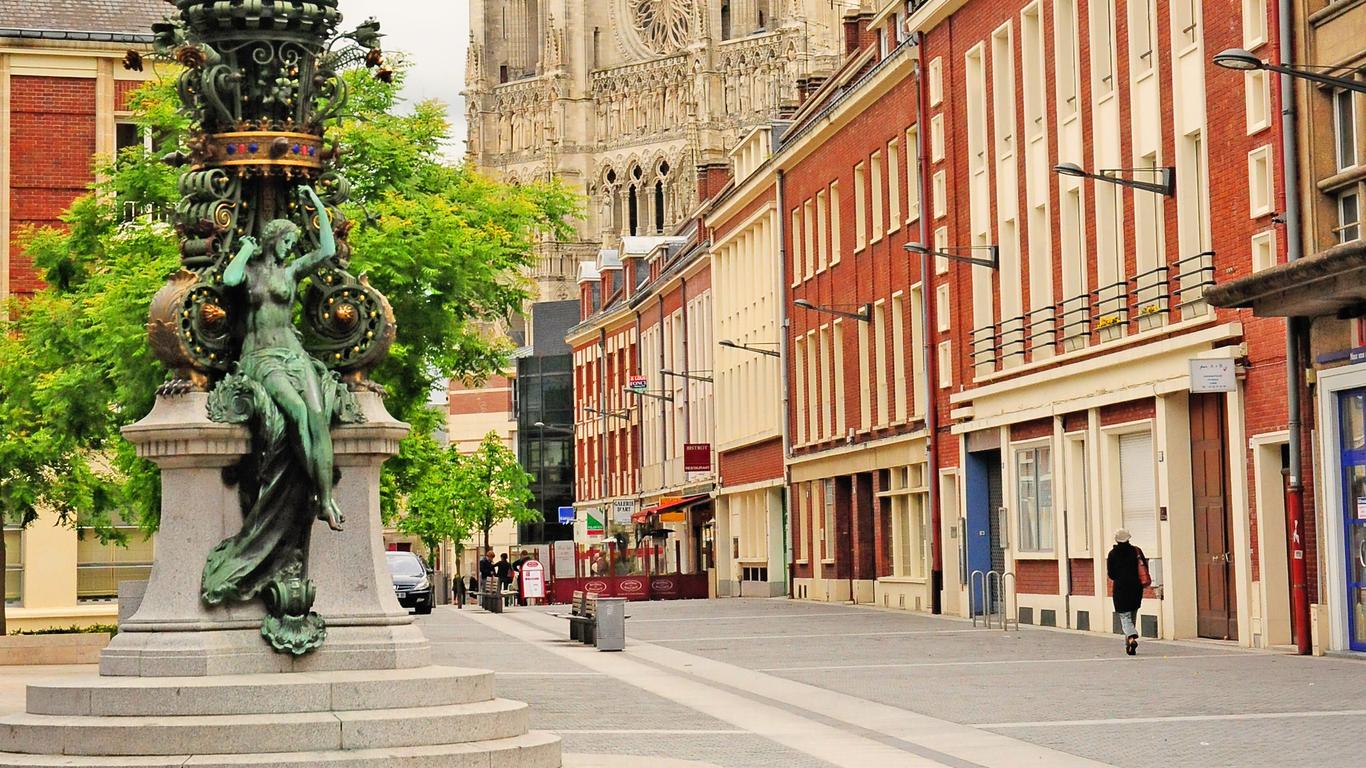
(449,248)
(426,506)
(491,487)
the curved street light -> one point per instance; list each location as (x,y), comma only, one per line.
(1242,60)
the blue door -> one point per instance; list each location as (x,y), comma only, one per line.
(1352,430)
(983,535)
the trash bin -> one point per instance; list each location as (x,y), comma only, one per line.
(611,634)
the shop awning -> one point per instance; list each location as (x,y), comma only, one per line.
(672,511)
(1331,282)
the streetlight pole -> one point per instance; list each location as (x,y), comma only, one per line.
(1241,60)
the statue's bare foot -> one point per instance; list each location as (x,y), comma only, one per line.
(332,515)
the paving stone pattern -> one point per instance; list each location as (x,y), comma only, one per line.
(1065,690)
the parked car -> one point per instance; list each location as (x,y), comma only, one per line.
(412,581)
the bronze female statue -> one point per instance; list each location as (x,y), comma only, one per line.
(292,399)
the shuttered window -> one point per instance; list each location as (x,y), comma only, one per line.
(1138,490)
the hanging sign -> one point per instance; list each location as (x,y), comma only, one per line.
(567,516)
(594,524)
(622,511)
(638,384)
(697,457)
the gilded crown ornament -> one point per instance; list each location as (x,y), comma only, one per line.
(263,241)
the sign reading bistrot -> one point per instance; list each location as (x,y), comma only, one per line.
(697,457)
(1213,376)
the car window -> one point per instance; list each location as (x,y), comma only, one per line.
(406,565)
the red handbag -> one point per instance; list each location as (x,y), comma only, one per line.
(1145,578)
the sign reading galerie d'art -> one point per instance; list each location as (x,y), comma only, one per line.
(263,240)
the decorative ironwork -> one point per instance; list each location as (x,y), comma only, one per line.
(260,224)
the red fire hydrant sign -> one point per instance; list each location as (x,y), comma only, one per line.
(533,580)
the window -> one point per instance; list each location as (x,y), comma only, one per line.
(1141,34)
(809,237)
(879,193)
(912,174)
(937,138)
(1034,485)
(823,229)
(1258,101)
(940,193)
(1254,23)
(828,375)
(130,135)
(797,249)
(100,567)
(1065,55)
(1345,129)
(1102,47)
(936,81)
(1185,23)
(836,216)
(860,208)
(899,388)
(1349,217)
(941,245)
(799,369)
(1263,250)
(841,420)
(893,187)
(945,364)
(1259,181)
(917,354)
(828,520)
(865,380)
(880,360)
(1138,490)
(813,385)
(941,308)
(14,564)
(1078,494)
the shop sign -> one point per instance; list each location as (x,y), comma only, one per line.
(567,515)
(638,384)
(533,579)
(1213,376)
(697,457)
(564,559)
(594,524)
(622,509)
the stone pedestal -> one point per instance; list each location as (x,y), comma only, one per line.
(174,634)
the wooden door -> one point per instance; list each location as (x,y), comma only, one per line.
(1216,613)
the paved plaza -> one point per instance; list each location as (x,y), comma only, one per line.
(750,683)
(753,683)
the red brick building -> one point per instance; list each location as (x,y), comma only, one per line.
(1066,367)
(63,100)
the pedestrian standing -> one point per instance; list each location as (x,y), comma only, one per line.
(522,559)
(1128,570)
(504,570)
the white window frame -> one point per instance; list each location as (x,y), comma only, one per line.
(1040,537)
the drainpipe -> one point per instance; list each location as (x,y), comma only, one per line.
(931,364)
(1294,487)
(783,322)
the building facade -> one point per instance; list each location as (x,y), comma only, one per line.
(63,102)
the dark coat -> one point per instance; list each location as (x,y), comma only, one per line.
(504,570)
(485,568)
(1122,566)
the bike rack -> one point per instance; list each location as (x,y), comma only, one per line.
(992,583)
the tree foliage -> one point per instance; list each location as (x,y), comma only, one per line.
(491,487)
(447,246)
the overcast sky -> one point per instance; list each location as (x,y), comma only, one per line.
(435,34)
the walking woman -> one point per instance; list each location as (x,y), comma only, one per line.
(1128,570)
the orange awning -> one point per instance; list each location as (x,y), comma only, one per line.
(673,512)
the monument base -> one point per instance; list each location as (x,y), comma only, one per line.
(427,717)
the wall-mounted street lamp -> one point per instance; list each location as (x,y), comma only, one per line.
(623,414)
(543,427)
(691,376)
(754,347)
(655,395)
(1246,61)
(962,253)
(1165,184)
(863,315)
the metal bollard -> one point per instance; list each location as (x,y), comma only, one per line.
(611,619)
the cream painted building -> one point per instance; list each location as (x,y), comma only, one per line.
(747,301)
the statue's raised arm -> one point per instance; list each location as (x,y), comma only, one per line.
(327,241)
